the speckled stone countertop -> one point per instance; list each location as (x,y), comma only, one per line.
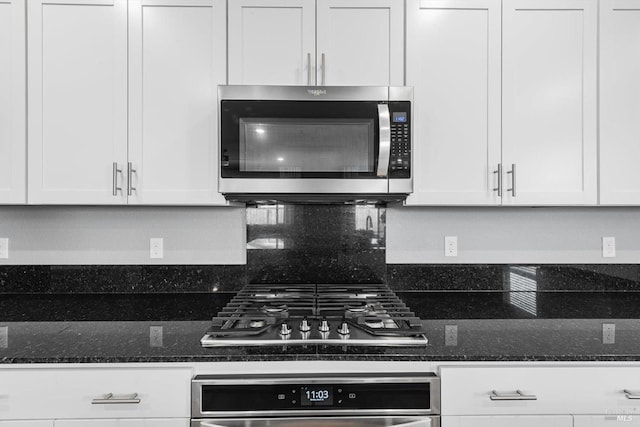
(492,326)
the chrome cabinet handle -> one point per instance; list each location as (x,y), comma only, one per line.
(324,67)
(308,69)
(110,398)
(130,172)
(384,150)
(631,394)
(513,180)
(115,173)
(499,187)
(517,395)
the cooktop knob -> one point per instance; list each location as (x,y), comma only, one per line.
(285,329)
(304,325)
(324,326)
(344,329)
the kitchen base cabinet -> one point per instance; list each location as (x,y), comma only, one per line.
(508,421)
(176,422)
(627,420)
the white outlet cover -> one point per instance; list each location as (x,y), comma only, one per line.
(4,248)
(450,245)
(156,249)
(608,247)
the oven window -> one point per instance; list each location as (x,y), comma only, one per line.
(302,145)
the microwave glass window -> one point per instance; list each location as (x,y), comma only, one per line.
(306,145)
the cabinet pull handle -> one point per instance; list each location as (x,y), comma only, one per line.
(110,398)
(308,69)
(499,187)
(115,173)
(513,180)
(130,172)
(324,67)
(631,394)
(517,395)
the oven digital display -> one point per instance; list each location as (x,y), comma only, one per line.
(316,396)
(399,117)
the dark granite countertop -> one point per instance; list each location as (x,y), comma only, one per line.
(491,326)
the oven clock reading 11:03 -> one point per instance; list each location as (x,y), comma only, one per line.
(313,396)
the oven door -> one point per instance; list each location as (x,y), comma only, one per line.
(354,421)
(309,146)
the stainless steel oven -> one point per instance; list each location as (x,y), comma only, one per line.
(316,400)
(299,141)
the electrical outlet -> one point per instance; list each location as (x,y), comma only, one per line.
(4,248)
(4,336)
(450,335)
(608,247)
(450,245)
(155,247)
(155,336)
(608,333)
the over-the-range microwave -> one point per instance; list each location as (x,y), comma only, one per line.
(315,143)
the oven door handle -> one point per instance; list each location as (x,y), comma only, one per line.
(384,149)
(302,422)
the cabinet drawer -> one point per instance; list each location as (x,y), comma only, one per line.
(84,393)
(557,390)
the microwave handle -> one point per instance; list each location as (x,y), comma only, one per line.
(384,149)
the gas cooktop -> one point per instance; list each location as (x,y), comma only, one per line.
(315,314)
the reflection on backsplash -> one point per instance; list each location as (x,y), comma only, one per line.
(521,283)
(290,243)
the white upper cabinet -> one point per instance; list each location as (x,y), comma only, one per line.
(549,105)
(360,42)
(619,102)
(176,62)
(453,63)
(299,42)
(12,103)
(272,42)
(77,102)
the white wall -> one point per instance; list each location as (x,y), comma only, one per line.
(512,235)
(120,235)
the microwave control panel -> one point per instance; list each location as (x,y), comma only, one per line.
(400,158)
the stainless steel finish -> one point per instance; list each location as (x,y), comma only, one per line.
(384,120)
(344,329)
(285,330)
(347,186)
(401,93)
(324,69)
(304,325)
(130,172)
(308,69)
(517,395)
(499,187)
(324,326)
(390,421)
(320,339)
(310,379)
(305,93)
(110,399)
(115,173)
(631,394)
(513,180)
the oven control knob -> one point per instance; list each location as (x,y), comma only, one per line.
(304,325)
(344,329)
(324,326)
(285,330)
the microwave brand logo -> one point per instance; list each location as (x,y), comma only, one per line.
(317,92)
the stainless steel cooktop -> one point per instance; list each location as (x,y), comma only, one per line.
(315,314)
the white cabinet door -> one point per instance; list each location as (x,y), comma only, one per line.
(609,420)
(549,101)
(272,42)
(177,58)
(508,421)
(150,422)
(619,102)
(27,423)
(360,42)
(453,63)
(77,102)
(12,102)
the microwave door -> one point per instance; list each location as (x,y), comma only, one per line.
(384,135)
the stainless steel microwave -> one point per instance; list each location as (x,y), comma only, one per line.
(324,143)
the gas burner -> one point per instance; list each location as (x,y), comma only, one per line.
(275,309)
(258,323)
(356,308)
(374,323)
